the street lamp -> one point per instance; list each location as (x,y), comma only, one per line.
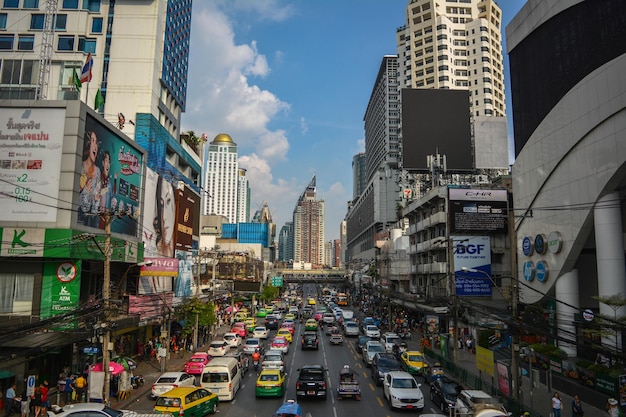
(122,282)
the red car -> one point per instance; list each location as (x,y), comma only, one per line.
(195,364)
(240,329)
(318,315)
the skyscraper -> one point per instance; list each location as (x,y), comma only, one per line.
(221,178)
(285,242)
(308,227)
(358,175)
(243,197)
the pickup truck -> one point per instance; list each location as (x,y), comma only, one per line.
(312,382)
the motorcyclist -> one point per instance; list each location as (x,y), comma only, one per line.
(256,357)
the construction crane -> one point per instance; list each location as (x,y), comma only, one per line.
(45,53)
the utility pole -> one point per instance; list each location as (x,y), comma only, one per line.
(514,306)
(106,295)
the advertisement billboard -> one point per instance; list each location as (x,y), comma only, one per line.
(472,252)
(110,179)
(31,147)
(159,220)
(475,210)
(187,217)
(60,290)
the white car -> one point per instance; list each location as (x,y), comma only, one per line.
(388,340)
(251,345)
(260,332)
(372,331)
(233,339)
(218,348)
(402,391)
(351,328)
(171,380)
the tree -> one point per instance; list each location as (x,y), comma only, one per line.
(269,293)
(187,312)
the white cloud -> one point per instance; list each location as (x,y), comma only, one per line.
(273,146)
(271,10)
(361,144)
(304,127)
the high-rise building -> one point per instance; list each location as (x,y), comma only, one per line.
(455,46)
(358,175)
(285,242)
(308,227)
(243,197)
(221,177)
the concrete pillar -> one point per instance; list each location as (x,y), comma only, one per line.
(567,294)
(609,235)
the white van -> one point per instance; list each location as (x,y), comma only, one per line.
(222,376)
(347,315)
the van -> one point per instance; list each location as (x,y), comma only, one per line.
(347,314)
(223,377)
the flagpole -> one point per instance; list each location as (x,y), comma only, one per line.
(89,80)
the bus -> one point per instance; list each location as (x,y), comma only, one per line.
(342,299)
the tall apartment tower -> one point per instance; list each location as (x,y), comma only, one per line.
(358,175)
(308,227)
(455,46)
(285,242)
(243,197)
(221,177)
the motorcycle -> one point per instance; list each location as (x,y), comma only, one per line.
(136,381)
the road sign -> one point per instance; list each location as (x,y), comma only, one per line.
(30,385)
(277,281)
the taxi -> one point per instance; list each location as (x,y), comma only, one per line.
(280,343)
(250,324)
(240,329)
(286,333)
(312,301)
(195,364)
(310,324)
(262,312)
(290,316)
(240,315)
(288,324)
(270,383)
(414,362)
(191,401)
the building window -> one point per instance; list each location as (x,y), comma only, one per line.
(87,45)
(96,25)
(6,42)
(3,20)
(91,5)
(37,21)
(70,4)
(65,43)
(26,43)
(60,22)
(11,4)
(17,290)
(31,4)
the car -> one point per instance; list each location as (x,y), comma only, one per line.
(328,318)
(196,362)
(286,333)
(289,324)
(251,345)
(310,340)
(414,362)
(318,315)
(182,401)
(336,338)
(311,301)
(444,392)
(290,316)
(293,310)
(312,382)
(383,363)
(239,328)
(372,331)
(351,328)
(270,383)
(241,357)
(367,321)
(310,324)
(280,343)
(271,322)
(261,313)
(240,315)
(260,332)
(470,401)
(233,340)
(388,340)
(250,324)
(278,314)
(273,359)
(89,409)
(370,349)
(171,380)
(329,329)
(360,342)
(402,391)
(218,348)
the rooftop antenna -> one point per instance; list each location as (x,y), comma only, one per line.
(45,53)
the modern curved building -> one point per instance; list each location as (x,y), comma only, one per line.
(568,66)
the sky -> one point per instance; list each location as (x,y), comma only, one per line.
(289,81)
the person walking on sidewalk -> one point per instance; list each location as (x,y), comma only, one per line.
(556,405)
(612,408)
(577,407)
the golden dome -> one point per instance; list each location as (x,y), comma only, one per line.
(223,138)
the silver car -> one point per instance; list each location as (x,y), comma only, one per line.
(251,345)
(351,328)
(370,349)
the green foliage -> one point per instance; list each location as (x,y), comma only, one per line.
(188,310)
(549,350)
(269,293)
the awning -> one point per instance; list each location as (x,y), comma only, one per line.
(44,340)
(6,374)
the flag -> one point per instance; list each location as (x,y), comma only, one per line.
(99,102)
(76,80)
(85,75)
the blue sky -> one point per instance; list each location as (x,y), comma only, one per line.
(289,81)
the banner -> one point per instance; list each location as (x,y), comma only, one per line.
(60,290)
(472,252)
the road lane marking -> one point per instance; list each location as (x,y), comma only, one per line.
(380,402)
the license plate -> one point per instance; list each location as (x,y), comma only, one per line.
(310,392)
(409,406)
(214,389)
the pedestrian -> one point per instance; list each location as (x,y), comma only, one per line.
(556,405)
(612,408)
(67,390)
(35,401)
(9,400)
(43,406)
(80,384)
(577,407)
(24,404)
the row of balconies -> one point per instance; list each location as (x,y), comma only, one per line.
(431,268)
(430,221)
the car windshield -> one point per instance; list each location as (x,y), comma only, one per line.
(252,342)
(311,375)
(404,383)
(375,348)
(217,344)
(372,328)
(416,358)
(215,377)
(450,390)
(387,362)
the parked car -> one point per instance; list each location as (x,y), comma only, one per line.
(218,348)
(444,392)
(402,391)
(233,340)
(310,340)
(195,364)
(270,383)
(383,363)
(192,401)
(312,382)
(171,380)
(260,332)
(370,349)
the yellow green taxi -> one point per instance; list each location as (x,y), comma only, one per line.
(270,383)
(311,301)
(261,312)
(286,333)
(250,323)
(290,316)
(414,362)
(240,315)
(310,324)
(187,401)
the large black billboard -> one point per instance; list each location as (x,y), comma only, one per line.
(436,121)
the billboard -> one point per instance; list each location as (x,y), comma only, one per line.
(159,218)
(475,210)
(436,122)
(31,147)
(110,179)
(60,290)
(187,218)
(472,252)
